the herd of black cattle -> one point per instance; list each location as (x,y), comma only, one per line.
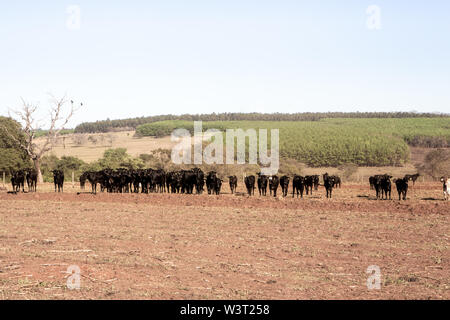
(195,180)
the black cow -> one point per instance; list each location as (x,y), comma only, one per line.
(298,185)
(217,186)
(337,181)
(58,179)
(284,183)
(233,183)
(402,187)
(158,181)
(274,181)
(199,180)
(412,177)
(309,184)
(372,181)
(83,178)
(210,181)
(31,177)
(382,185)
(18,180)
(176,182)
(386,186)
(315,180)
(262,184)
(329,182)
(94,178)
(250,185)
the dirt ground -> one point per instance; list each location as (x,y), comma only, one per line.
(161,246)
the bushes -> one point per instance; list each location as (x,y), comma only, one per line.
(436,163)
(68,164)
(428,141)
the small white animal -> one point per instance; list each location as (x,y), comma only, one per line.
(446,187)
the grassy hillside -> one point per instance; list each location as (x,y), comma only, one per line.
(332,142)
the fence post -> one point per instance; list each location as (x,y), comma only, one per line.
(3,179)
(73,179)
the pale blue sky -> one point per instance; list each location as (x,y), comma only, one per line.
(140,58)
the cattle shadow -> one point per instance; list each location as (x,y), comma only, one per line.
(431,199)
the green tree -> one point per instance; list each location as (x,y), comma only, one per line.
(119,158)
(12,157)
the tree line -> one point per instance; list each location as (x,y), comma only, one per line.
(132,123)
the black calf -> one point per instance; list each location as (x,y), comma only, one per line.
(402,187)
(233,183)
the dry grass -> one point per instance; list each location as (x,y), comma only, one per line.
(88,151)
(163,246)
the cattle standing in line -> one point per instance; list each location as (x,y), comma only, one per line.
(262,184)
(58,179)
(382,185)
(328,182)
(298,185)
(31,177)
(402,187)
(274,181)
(250,185)
(446,187)
(284,183)
(412,177)
(233,183)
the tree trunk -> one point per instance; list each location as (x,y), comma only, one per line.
(37,166)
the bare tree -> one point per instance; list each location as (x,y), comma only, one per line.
(26,116)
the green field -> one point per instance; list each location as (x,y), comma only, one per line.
(333,142)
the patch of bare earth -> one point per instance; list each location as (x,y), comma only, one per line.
(162,246)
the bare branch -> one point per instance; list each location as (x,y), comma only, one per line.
(55,117)
(26,116)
